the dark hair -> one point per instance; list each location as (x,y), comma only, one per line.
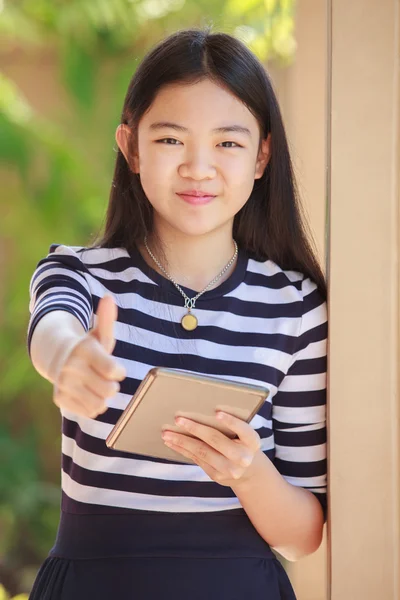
(271,225)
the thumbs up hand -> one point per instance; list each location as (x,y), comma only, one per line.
(89,374)
(107,313)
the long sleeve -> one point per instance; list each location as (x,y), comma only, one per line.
(299,406)
(60,282)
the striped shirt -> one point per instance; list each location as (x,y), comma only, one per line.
(263,326)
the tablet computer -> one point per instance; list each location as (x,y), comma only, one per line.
(168,393)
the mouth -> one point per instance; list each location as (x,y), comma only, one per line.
(196,199)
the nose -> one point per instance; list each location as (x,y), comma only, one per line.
(197,165)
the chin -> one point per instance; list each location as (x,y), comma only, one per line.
(195,227)
(198,232)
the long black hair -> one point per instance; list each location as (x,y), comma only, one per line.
(271,225)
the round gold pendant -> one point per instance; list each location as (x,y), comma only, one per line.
(189,322)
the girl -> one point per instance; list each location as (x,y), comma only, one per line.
(204,266)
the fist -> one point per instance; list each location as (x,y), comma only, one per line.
(89,374)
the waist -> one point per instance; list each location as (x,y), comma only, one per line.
(193,535)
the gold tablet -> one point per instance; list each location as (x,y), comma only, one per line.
(168,393)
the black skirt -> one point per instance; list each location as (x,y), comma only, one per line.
(158,556)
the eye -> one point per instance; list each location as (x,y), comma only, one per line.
(235,145)
(174,142)
(167,140)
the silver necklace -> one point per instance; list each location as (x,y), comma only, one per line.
(189,321)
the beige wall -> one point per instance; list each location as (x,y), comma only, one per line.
(301,89)
(364,357)
(302,92)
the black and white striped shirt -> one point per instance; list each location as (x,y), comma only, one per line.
(262,325)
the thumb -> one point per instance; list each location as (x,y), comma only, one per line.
(107,313)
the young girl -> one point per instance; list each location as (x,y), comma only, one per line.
(204,266)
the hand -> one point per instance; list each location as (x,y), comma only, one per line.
(226,461)
(88,374)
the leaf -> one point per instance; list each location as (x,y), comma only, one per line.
(270,5)
(79,69)
(14,146)
(17,27)
(237,8)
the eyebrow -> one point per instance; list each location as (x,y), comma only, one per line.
(225,129)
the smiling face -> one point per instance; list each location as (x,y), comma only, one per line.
(196,137)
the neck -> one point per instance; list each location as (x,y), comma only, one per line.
(193,261)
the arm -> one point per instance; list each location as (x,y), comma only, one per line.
(53,338)
(289,518)
(285,499)
(61,309)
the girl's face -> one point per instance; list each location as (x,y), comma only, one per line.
(197,137)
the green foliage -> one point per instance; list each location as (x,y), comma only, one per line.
(24,498)
(57,177)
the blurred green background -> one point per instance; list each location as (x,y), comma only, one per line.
(64,69)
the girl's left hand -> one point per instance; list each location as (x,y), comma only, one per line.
(226,461)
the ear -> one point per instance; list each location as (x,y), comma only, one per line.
(264,155)
(123,137)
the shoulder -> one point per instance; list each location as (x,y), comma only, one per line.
(270,275)
(296,293)
(85,256)
(56,250)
